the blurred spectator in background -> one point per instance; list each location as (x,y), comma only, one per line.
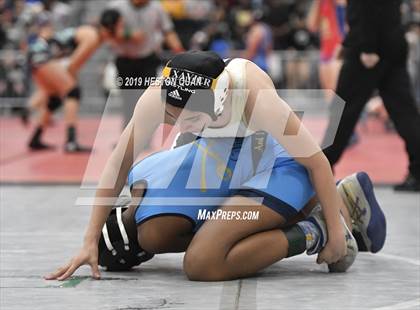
(147,26)
(12,78)
(259,40)
(239,19)
(412,21)
(300,41)
(10,13)
(60,13)
(327,18)
(216,35)
(375,57)
(21,25)
(189,16)
(220,34)
(3,34)
(279,17)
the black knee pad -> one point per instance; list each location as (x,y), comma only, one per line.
(118,248)
(296,239)
(54,103)
(75,93)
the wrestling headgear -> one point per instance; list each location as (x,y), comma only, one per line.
(118,247)
(197,81)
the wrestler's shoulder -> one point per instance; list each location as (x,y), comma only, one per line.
(86,32)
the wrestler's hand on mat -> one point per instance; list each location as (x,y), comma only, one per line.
(88,255)
(369,60)
(335,248)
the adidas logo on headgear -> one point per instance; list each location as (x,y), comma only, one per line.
(175,94)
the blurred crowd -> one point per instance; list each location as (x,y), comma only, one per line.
(204,24)
(219,25)
(197,22)
(16,32)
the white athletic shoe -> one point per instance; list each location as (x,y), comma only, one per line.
(317,218)
(369,223)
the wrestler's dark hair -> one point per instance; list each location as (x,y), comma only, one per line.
(109,19)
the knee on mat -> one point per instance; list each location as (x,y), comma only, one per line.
(202,265)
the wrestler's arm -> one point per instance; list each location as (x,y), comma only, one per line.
(147,116)
(267,111)
(88,41)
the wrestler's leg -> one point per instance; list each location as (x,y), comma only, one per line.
(38,101)
(229,249)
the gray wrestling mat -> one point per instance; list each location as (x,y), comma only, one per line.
(41,229)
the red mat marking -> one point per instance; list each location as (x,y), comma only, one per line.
(382,155)
(379,153)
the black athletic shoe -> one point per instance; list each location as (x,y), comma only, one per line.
(410,184)
(39,146)
(74,147)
